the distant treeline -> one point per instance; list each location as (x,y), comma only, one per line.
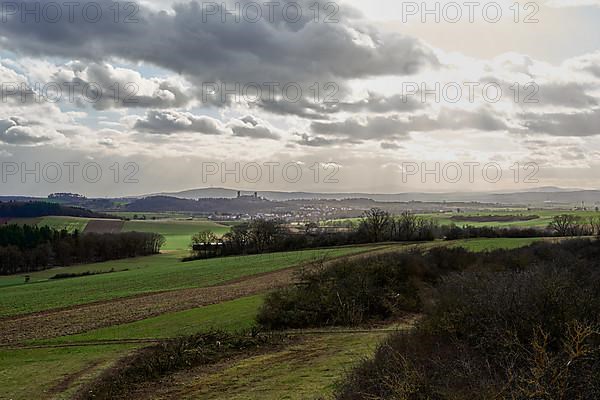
(32,209)
(31,248)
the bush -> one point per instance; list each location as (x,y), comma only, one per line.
(530,332)
(151,363)
(354,292)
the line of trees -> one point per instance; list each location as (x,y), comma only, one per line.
(376,226)
(30,248)
(574,225)
(264,236)
(380,226)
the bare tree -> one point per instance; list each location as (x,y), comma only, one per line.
(376,222)
(203,241)
(566,225)
(407,226)
(594,224)
(264,233)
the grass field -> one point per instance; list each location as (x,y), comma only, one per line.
(149,274)
(177,232)
(545,217)
(478,245)
(158,260)
(234,315)
(306,370)
(69,223)
(302,370)
(53,373)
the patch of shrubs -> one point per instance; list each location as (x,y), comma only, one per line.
(357,291)
(516,333)
(152,363)
(68,275)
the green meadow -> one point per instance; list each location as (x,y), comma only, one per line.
(150,274)
(304,369)
(235,315)
(177,231)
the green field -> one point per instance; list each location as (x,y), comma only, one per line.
(177,231)
(545,217)
(150,215)
(302,370)
(158,260)
(150,274)
(69,223)
(478,245)
(52,373)
(308,369)
(235,315)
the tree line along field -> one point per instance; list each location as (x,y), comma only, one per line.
(305,369)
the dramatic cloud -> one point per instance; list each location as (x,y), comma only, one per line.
(156,86)
(202,47)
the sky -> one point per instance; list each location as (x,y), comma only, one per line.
(115,99)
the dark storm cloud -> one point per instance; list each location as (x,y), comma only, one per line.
(213,51)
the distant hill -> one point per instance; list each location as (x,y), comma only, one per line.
(537,196)
(33,209)
(213,205)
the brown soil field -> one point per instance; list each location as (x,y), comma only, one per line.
(104,226)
